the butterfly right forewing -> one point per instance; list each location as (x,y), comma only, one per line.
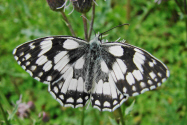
(133,69)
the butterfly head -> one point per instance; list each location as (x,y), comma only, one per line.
(96,39)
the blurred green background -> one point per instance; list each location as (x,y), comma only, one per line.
(157,28)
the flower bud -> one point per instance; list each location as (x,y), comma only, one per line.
(55,4)
(45,116)
(31,105)
(23,111)
(82,6)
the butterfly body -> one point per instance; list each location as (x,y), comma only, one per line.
(92,56)
(76,70)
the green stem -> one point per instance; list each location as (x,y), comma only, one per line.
(8,106)
(92,21)
(85,26)
(68,23)
(4,115)
(179,5)
(128,9)
(185,13)
(82,120)
(16,88)
(122,118)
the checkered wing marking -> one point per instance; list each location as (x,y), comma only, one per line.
(105,95)
(51,60)
(133,70)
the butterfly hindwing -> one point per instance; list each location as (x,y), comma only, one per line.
(105,95)
(69,91)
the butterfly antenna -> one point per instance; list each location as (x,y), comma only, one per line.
(112,29)
(89,23)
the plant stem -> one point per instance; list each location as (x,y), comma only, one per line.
(128,8)
(185,13)
(68,23)
(4,115)
(92,22)
(180,7)
(82,120)
(16,88)
(148,12)
(85,26)
(121,116)
(8,106)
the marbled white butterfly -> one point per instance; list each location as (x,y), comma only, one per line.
(107,73)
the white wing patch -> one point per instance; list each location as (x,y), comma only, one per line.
(104,67)
(116,50)
(41,60)
(130,79)
(80,63)
(80,87)
(70,44)
(47,66)
(63,62)
(27,56)
(119,75)
(106,96)
(73,84)
(45,45)
(122,65)
(59,56)
(137,74)
(68,76)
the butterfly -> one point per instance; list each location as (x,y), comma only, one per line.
(76,71)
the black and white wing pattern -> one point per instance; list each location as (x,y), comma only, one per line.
(76,71)
(133,70)
(124,70)
(52,60)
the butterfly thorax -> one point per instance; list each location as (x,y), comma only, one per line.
(92,61)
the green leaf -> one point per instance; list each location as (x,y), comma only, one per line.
(10,117)
(112,121)
(129,109)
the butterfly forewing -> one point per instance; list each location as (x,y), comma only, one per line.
(77,71)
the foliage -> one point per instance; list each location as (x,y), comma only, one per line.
(159,29)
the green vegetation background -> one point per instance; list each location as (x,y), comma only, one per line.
(159,29)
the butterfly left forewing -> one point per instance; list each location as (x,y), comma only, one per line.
(43,57)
